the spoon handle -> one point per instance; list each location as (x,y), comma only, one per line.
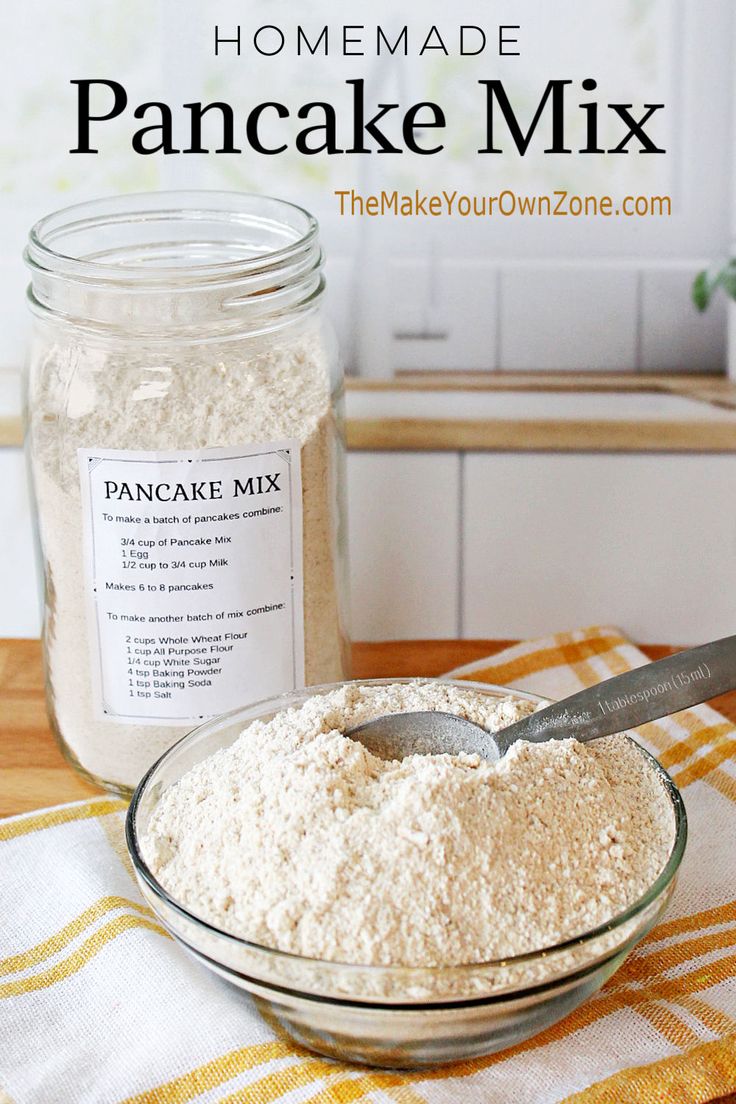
(644,694)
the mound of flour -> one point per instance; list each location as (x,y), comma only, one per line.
(298,838)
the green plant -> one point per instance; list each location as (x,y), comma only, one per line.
(708,281)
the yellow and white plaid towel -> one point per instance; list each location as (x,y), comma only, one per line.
(98,1005)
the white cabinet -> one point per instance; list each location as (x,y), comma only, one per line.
(501,544)
(404,544)
(645,542)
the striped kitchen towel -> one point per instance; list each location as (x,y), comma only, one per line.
(98,1005)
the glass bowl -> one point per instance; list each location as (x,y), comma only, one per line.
(395,1017)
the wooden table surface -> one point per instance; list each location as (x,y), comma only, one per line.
(33,773)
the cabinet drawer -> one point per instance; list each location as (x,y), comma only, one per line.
(559,541)
(404,544)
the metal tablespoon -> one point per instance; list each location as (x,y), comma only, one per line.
(644,694)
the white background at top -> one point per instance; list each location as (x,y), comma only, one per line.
(496,315)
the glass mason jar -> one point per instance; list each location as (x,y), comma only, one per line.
(184,418)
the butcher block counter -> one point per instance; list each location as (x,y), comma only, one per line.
(34,774)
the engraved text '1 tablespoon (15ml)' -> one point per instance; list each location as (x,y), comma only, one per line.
(625,701)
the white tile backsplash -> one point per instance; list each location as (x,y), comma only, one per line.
(566,318)
(409,298)
(20,613)
(340,274)
(443,314)
(469,315)
(674,335)
(15,317)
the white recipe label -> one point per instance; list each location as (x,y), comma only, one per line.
(194,576)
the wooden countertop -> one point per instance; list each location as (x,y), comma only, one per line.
(33,773)
(690,424)
(542,412)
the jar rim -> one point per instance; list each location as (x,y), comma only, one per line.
(294,230)
(176,262)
